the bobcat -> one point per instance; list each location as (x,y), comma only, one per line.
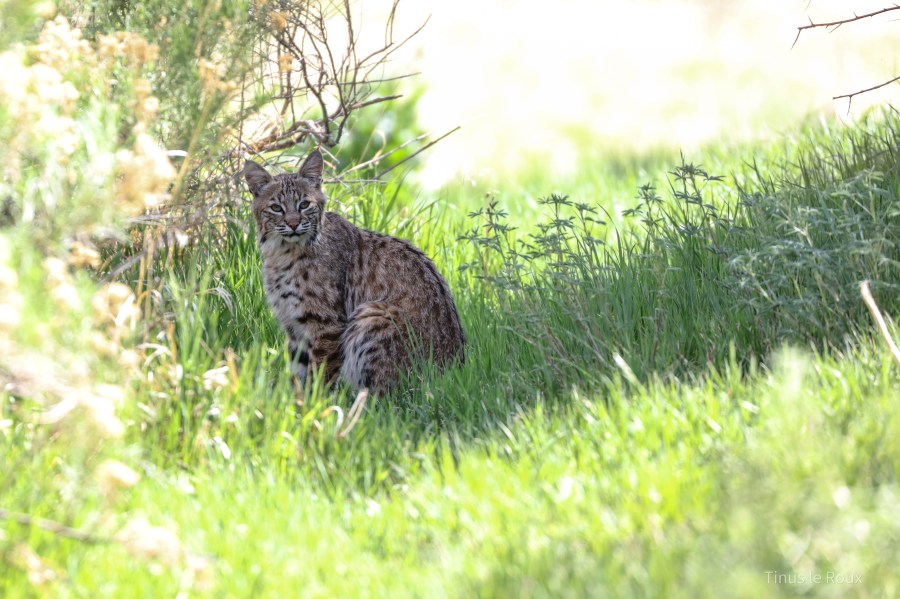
(365,305)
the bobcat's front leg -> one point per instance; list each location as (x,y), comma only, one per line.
(299,360)
(325,348)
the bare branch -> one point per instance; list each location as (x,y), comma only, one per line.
(417,152)
(879,319)
(335,80)
(346,110)
(862,91)
(835,24)
(381,157)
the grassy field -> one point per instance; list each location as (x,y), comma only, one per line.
(672,389)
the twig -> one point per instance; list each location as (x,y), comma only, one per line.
(417,152)
(346,110)
(355,412)
(836,24)
(332,82)
(879,319)
(383,79)
(381,157)
(51,526)
(862,91)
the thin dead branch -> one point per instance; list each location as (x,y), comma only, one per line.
(879,320)
(834,25)
(378,158)
(416,153)
(862,91)
(313,65)
(355,412)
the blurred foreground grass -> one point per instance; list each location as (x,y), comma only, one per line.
(630,420)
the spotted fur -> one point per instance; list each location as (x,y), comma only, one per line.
(363,304)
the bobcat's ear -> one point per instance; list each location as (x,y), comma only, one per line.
(311,169)
(256,176)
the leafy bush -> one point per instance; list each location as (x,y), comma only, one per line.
(80,161)
(204,50)
(74,117)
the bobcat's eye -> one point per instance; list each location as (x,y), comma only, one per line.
(304,204)
(276,209)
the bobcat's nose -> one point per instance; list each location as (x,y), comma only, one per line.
(292,221)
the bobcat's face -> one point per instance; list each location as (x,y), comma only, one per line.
(288,208)
(292,210)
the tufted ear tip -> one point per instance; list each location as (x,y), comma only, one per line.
(251,167)
(256,176)
(312,168)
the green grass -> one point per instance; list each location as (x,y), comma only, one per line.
(643,490)
(674,392)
